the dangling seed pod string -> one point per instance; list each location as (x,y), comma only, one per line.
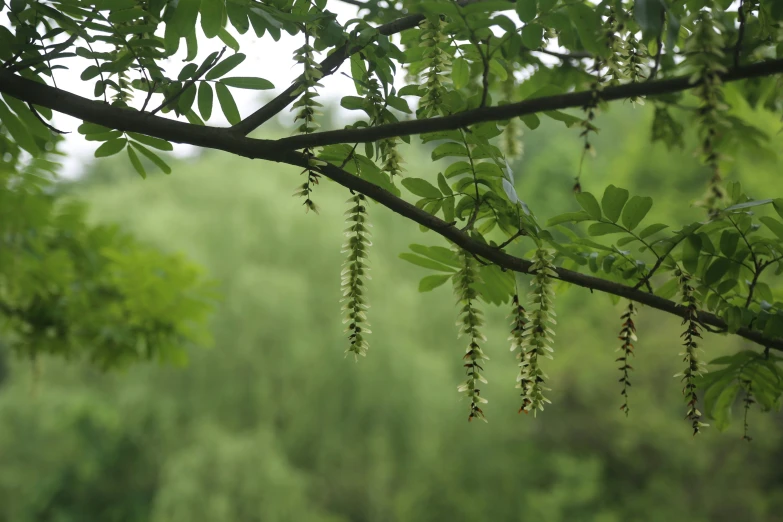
(704,52)
(747,402)
(693,366)
(627,336)
(389,155)
(538,333)
(469,323)
(588,127)
(519,320)
(437,63)
(306,108)
(354,273)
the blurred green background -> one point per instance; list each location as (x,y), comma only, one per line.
(272,423)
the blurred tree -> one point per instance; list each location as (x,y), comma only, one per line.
(276,406)
(75,290)
(476,75)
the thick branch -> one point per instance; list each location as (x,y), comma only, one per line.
(504,112)
(328,66)
(129,120)
(221,139)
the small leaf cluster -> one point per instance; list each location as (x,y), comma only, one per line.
(759,375)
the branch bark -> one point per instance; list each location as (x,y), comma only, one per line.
(530,106)
(222,139)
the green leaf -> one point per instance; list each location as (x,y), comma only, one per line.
(154,158)
(717,270)
(728,242)
(778,205)
(225,66)
(90,72)
(152,142)
(498,70)
(449,149)
(227,104)
(566,118)
(568,217)
(134,159)
(370,171)
(602,229)
(456,168)
(438,253)
(672,29)
(588,202)
(244,82)
(774,225)
(212,12)
(722,410)
(460,73)
(532,35)
(431,282)
(748,204)
(531,121)
(111,147)
(690,253)
(488,169)
(229,40)
(358,71)
(444,185)
(187,72)
(237,14)
(205,99)
(186,99)
(421,188)
(649,16)
(425,262)
(448,209)
(353,103)
(588,26)
(18,130)
(635,210)
(184,19)
(526,10)
(613,201)
(652,229)
(92,128)
(668,289)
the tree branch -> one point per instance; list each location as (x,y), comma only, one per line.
(328,66)
(222,139)
(530,106)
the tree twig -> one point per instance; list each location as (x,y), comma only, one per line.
(529,106)
(46,123)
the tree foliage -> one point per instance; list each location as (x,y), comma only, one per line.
(475,71)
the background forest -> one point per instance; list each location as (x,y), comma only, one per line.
(272,423)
